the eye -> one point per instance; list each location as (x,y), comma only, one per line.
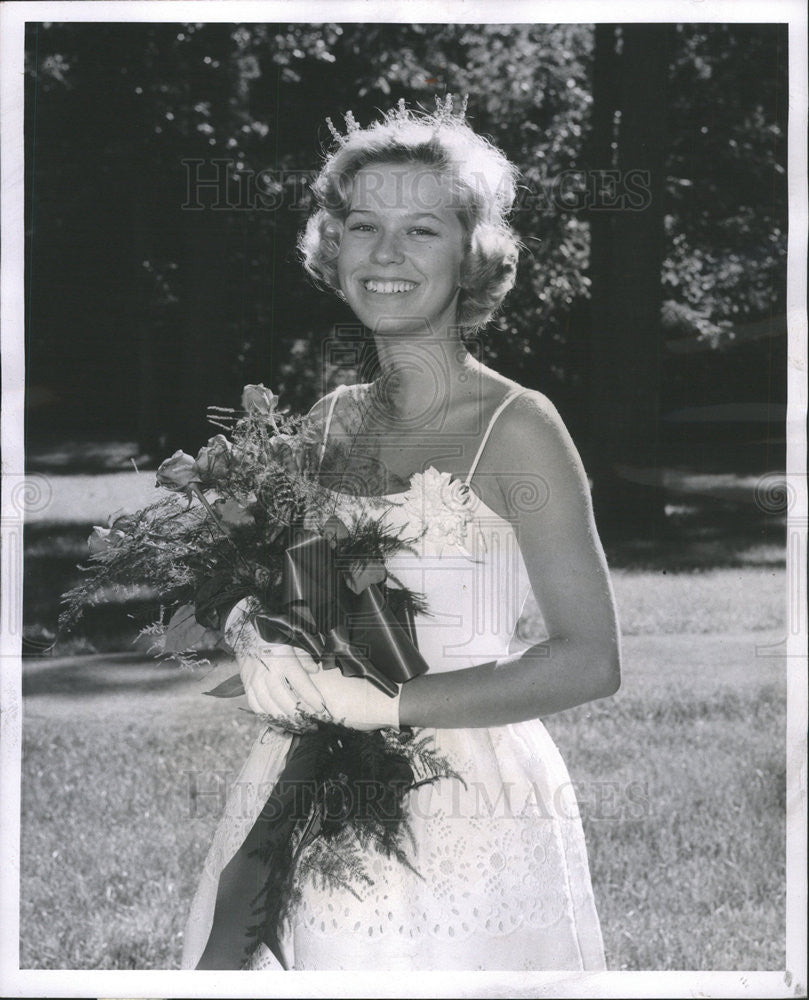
(361,227)
(423,231)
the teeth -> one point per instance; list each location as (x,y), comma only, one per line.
(389,287)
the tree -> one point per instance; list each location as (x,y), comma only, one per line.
(160,309)
(626,263)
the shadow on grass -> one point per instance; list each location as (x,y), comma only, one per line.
(699,534)
(109,674)
(88,457)
(53,554)
(102,675)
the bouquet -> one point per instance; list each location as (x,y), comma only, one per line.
(247,518)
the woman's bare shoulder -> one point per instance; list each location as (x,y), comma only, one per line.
(531,439)
(529,413)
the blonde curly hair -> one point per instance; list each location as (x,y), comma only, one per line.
(483,183)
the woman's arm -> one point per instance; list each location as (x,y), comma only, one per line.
(580,661)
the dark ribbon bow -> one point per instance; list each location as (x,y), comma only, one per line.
(335,610)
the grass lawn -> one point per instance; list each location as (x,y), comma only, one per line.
(680,777)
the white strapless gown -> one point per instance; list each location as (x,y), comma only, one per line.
(505,881)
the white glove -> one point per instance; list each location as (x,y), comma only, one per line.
(277,678)
(355,702)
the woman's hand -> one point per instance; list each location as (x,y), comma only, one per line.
(278,682)
(276,677)
(286,683)
(355,702)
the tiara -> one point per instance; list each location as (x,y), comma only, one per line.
(443,115)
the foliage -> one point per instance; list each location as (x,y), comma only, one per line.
(727,193)
(322,830)
(228,545)
(220,295)
(256,491)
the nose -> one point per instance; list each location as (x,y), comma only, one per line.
(387,249)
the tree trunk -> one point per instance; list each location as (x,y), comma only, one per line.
(627,254)
(142,324)
(207,349)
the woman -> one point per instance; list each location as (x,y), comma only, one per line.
(412,233)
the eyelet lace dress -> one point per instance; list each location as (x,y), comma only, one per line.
(503,880)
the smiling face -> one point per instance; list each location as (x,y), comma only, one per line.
(402,248)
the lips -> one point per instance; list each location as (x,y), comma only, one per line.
(388,286)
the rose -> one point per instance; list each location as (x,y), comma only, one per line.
(282,450)
(178,472)
(124,523)
(259,400)
(103,539)
(231,514)
(213,459)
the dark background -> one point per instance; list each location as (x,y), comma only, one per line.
(656,324)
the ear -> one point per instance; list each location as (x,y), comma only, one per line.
(467,268)
(332,229)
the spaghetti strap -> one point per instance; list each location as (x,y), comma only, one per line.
(509,397)
(335,395)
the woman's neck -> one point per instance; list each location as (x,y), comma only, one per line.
(421,379)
